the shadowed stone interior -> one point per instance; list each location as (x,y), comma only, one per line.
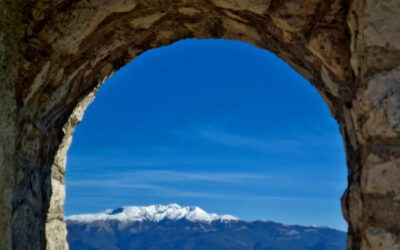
(54,55)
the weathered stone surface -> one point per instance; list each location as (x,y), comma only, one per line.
(326,46)
(10,34)
(380,102)
(375,112)
(293,16)
(78,21)
(382,177)
(189,11)
(379,27)
(256,6)
(55,54)
(379,239)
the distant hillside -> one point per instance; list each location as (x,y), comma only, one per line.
(175,227)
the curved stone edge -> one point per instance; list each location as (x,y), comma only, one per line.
(55,215)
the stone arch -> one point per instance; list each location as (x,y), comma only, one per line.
(55,55)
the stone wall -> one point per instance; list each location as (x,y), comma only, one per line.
(372,201)
(56,54)
(10,35)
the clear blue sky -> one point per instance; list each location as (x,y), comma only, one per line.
(218,124)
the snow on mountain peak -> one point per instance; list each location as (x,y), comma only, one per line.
(154,213)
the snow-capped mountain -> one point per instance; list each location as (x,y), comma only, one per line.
(163,227)
(153,213)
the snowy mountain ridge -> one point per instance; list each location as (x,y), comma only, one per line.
(154,213)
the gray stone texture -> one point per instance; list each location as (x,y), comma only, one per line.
(54,55)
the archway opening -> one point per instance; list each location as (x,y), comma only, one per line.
(224,125)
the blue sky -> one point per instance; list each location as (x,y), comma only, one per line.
(218,124)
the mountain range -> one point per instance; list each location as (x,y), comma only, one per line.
(171,226)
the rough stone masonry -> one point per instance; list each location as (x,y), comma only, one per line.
(55,54)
